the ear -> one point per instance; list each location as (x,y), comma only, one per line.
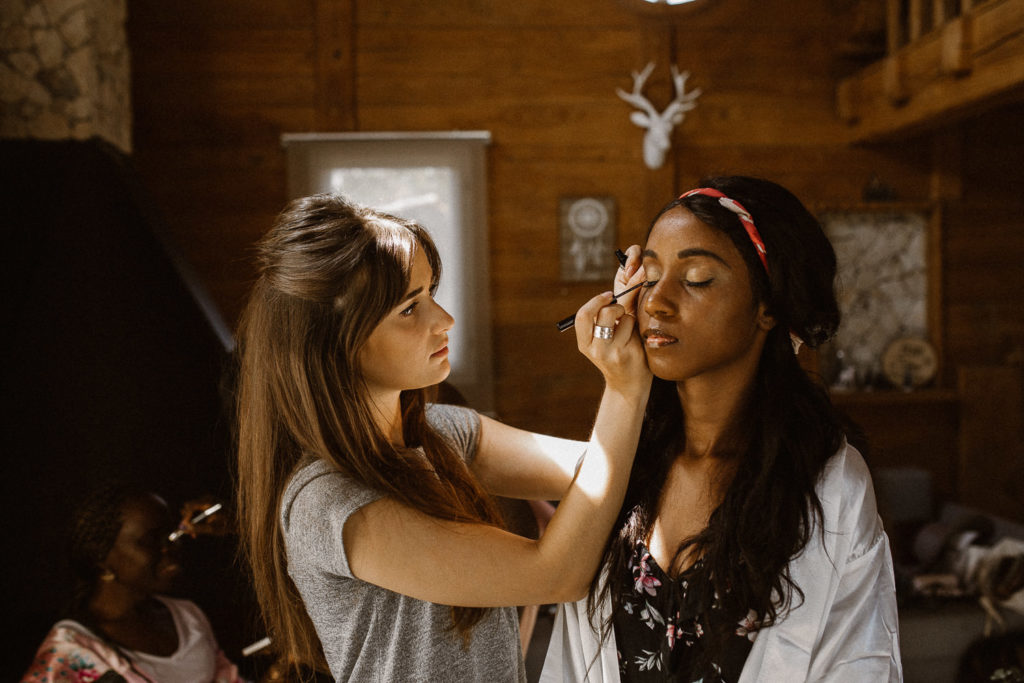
(765,320)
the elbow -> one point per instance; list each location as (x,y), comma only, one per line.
(570,579)
(573,587)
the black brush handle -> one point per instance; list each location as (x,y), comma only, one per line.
(566,323)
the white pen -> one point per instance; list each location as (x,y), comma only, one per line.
(178,533)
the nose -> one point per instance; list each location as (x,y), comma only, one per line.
(658,303)
(444,320)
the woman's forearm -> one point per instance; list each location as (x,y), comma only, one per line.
(576,535)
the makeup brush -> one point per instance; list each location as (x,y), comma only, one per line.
(178,533)
(568,322)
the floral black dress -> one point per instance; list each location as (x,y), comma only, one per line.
(659,632)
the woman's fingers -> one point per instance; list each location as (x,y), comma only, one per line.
(633,259)
(609,316)
(592,315)
(605,334)
(627,323)
(587,315)
(628,269)
(629,275)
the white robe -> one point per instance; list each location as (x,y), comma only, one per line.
(844,630)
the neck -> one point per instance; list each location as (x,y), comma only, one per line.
(711,404)
(387,408)
(115,603)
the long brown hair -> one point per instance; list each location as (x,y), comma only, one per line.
(329,273)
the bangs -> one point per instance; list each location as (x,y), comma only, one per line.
(400,238)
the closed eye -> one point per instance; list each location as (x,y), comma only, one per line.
(702,283)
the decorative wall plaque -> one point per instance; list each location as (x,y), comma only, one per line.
(587,238)
(885,284)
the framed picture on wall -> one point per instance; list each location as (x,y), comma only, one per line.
(586,235)
(888,286)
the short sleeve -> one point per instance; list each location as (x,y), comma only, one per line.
(71,654)
(317,503)
(460,426)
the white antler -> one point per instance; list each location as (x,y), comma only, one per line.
(636,98)
(657,139)
(684,101)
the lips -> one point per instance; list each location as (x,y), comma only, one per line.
(656,339)
(169,569)
(443,351)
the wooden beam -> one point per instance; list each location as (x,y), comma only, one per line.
(956,47)
(972,63)
(893,83)
(334,33)
(915,20)
(893,26)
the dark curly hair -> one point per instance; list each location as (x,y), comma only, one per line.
(92,531)
(789,427)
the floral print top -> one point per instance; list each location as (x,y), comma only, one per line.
(659,633)
(71,653)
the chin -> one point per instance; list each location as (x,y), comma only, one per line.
(664,371)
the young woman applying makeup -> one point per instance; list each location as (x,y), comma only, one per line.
(748,547)
(365,512)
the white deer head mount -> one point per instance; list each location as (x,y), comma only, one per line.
(657,139)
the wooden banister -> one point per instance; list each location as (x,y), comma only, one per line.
(946,60)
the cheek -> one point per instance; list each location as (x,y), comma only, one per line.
(130,562)
(376,353)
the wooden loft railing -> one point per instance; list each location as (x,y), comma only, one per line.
(946,59)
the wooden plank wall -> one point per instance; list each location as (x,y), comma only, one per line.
(984,279)
(216,84)
(984,244)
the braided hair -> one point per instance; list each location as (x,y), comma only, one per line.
(92,532)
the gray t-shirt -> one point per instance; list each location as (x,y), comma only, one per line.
(369,633)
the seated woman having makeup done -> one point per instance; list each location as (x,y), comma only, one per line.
(121,624)
(748,547)
(375,549)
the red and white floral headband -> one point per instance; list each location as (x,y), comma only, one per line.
(747,221)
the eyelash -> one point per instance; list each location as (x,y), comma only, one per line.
(688,283)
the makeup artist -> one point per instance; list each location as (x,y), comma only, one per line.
(375,547)
(748,547)
(122,625)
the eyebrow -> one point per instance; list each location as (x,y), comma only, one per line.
(688,253)
(413,294)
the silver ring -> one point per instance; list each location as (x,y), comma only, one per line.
(602,332)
